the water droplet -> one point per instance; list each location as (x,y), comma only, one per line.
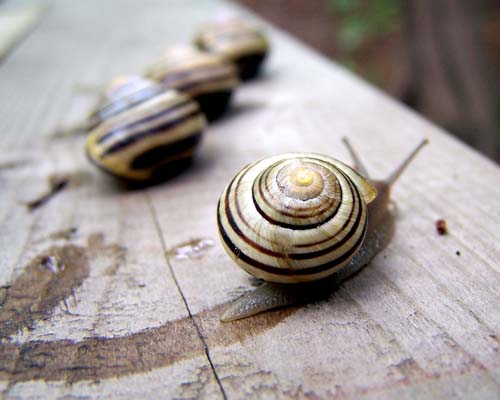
(194,248)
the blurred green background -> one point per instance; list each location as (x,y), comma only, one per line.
(440,57)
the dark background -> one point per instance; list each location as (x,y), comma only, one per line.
(440,57)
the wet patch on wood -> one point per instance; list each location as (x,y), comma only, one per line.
(49,279)
(409,368)
(52,276)
(194,248)
(217,333)
(61,235)
(96,246)
(100,358)
(65,234)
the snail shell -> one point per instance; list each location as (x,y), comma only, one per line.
(122,93)
(207,78)
(236,40)
(295,217)
(146,134)
(301,218)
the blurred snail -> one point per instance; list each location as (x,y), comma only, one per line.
(207,78)
(236,40)
(300,222)
(144,132)
(121,93)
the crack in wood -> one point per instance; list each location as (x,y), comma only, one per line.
(198,330)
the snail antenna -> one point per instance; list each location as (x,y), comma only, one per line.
(399,170)
(358,165)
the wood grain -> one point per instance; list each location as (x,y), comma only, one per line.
(15,23)
(134,321)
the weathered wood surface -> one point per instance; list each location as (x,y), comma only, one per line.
(94,304)
(15,23)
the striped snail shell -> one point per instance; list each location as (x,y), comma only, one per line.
(236,40)
(300,218)
(121,93)
(207,78)
(147,134)
(294,217)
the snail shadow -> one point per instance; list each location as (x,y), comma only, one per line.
(272,298)
(170,174)
(269,296)
(325,289)
(162,175)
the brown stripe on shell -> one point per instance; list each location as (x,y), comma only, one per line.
(195,73)
(295,256)
(163,113)
(289,272)
(188,87)
(358,206)
(127,102)
(162,154)
(130,140)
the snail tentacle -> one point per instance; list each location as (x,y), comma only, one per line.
(294,218)
(305,219)
(358,165)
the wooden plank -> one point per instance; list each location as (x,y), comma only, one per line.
(125,318)
(15,23)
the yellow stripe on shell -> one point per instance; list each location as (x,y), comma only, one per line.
(119,162)
(202,70)
(232,39)
(284,240)
(155,105)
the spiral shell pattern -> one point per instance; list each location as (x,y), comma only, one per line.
(146,137)
(295,217)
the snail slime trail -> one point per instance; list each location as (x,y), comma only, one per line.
(268,218)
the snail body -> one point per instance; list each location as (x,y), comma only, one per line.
(147,139)
(207,78)
(238,41)
(300,222)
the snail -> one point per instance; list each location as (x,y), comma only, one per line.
(118,95)
(207,78)
(236,40)
(121,93)
(302,222)
(146,133)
